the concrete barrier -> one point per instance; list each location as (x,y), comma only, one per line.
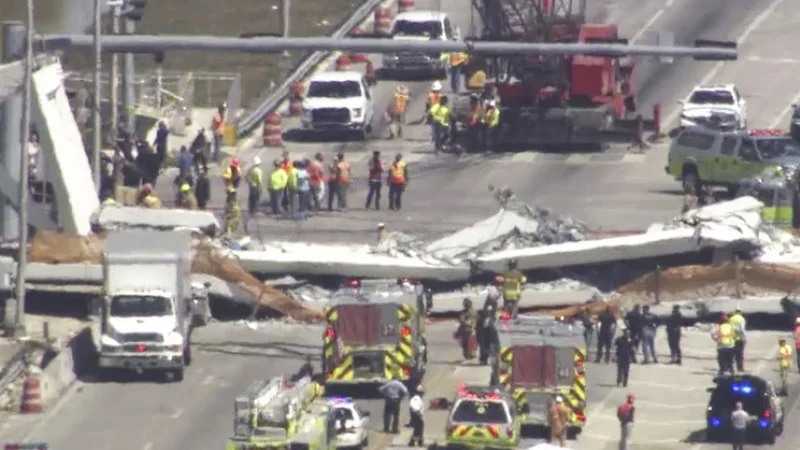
(61,369)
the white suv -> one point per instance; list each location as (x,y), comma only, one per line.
(338,101)
(718,106)
(420,26)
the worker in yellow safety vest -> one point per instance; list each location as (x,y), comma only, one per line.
(186,198)
(148,198)
(458,65)
(397,112)
(724,336)
(475,123)
(441,123)
(512,282)
(491,123)
(740,338)
(785,363)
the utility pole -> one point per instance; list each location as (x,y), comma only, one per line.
(114,76)
(97,122)
(132,11)
(22,258)
(14,34)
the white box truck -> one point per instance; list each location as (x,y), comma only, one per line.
(149,305)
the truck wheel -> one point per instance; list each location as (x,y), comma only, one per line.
(175,375)
(187,355)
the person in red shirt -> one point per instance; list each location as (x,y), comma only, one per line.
(625,414)
(375,167)
(317,175)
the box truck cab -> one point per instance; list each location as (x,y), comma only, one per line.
(149,306)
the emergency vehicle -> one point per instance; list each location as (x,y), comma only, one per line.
(482,417)
(278,414)
(538,357)
(352,422)
(777,194)
(374,332)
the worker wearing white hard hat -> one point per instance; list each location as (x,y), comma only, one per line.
(797,340)
(491,120)
(431,104)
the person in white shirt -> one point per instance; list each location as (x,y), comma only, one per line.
(417,407)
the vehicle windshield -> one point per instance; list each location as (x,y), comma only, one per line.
(140,306)
(476,411)
(778,148)
(334,89)
(344,414)
(711,97)
(431,29)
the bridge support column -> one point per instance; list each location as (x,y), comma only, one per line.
(11,154)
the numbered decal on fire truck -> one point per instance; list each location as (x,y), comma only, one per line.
(388,330)
(564,372)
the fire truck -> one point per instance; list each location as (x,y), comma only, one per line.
(537,358)
(556,99)
(282,415)
(374,332)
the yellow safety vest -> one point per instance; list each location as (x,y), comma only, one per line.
(442,115)
(255,178)
(512,284)
(492,117)
(457,59)
(725,336)
(786,356)
(151,201)
(737,321)
(278,180)
(398,172)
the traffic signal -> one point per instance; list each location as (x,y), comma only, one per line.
(133,9)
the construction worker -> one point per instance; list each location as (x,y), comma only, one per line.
(674,324)
(512,282)
(724,336)
(797,340)
(739,324)
(317,175)
(558,418)
(431,105)
(148,198)
(186,198)
(491,122)
(333,183)
(466,329)
(397,112)
(303,190)
(398,179)
(374,180)
(458,64)
(233,211)
(785,363)
(232,176)
(343,180)
(255,183)
(625,414)
(475,122)
(416,407)
(441,122)
(292,197)
(278,179)
(218,128)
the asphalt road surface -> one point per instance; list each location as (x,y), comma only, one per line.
(614,190)
(143,414)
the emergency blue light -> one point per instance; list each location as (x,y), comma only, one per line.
(744,389)
(715,422)
(340,400)
(763,423)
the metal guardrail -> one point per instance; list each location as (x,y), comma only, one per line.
(14,368)
(252,119)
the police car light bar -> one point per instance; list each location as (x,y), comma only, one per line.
(340,400)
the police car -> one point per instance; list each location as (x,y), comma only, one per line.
(701,156)
(716,105)
(759,399)
(351,423)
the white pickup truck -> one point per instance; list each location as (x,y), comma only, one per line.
(149,306)
(338,102)
(420,26)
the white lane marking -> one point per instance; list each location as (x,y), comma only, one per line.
(148,446)
(177,413)
(647,25)
(634,441)
(662,405)
(207,380)
(676,112)
(784,113)
(579,158)
(773,60)
(664,423)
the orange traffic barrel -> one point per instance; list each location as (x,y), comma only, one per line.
(357,31)
(383,20)
(272,133)
(343,63)
(405,6)
(296,99)
(32,395)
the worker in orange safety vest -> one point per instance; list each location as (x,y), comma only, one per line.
(397,180)
(475,123)
(725,338)
(797,340)
(342,180)
(458,66)
(218,128)
(397,112)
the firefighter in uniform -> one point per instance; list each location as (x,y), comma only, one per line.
(491,122)
(785,363)
(475,122)
(458,62)
(232,175)
(397,112)
(441,123)
(738,323)
(233,211)
(797,340)
(466,329)
(186,198)
(398,179)
(724,337)
(512,281)
(148,197)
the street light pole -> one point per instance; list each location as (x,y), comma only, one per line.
(22,258)
(97,123)
(115,19)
